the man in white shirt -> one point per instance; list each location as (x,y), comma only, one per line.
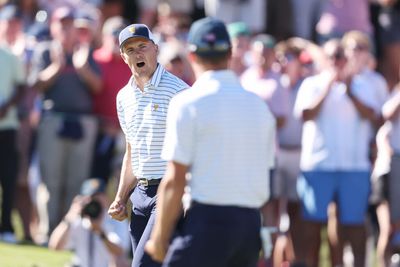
(224,136)
(337,108)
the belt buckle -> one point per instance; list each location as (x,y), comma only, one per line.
(144,182)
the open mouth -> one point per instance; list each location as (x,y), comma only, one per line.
(140,64)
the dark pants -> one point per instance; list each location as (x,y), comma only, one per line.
(8,176)
(142,222)
(103,156)
(217,236)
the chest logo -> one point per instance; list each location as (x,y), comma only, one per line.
(155,107)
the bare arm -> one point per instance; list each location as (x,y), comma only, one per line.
(391,109)
(169,208)
(312,112)
(91,78)
(80,60)
(127,182)
(47,77)
(60,234)
(113,248)
(96,227)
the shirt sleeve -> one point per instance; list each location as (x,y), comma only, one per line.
(121,113)
(179,137)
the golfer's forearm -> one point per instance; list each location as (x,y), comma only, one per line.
(127,179)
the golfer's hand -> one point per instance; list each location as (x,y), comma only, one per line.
(117,211)
(156,250)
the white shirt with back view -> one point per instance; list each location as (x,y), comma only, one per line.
(226,135)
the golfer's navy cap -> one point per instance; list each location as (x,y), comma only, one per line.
(134,31)
(209,37)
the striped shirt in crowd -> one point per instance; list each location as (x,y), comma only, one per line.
(142,116)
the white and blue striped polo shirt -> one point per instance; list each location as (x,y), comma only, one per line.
(142,116)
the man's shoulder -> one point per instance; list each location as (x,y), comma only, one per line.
(172,83)
(124,91)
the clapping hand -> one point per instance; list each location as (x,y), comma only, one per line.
(80,56)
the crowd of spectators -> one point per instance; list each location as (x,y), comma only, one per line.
(329,70)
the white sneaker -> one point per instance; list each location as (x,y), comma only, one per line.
(9,237)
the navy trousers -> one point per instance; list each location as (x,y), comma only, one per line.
(142,222)
(8,176)
(217,236)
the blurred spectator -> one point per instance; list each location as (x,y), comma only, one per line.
(172,57)
(149,9)
(358,51)
(379,197)
(261,79)
(95,238)
(391,112)
(170,26)
(240,39)
(12,82)
(114,75)
(288,155)
(87,22)
(11,29)
(337,108)
(67,76)
(338,17)
(251,12)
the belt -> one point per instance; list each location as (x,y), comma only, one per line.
(290,147)
(147,182)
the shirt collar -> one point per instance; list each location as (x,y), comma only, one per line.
(224,76)
(156,78)
(154,81)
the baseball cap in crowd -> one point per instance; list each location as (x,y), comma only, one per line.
(10,12)
(62,13)
(236,29)
(135,31)
(209,37)
(92,186)
(266,40)
(83,20)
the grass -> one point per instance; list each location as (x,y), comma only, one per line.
(27,255)
(31,256)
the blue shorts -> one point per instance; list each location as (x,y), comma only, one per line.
(215,236)
(349,189)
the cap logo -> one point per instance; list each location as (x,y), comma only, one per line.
(210,37)
(132,29)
